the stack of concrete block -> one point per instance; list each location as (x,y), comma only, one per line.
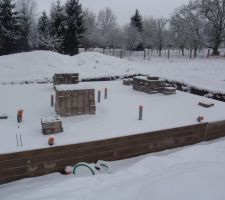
(169,90)
(51,125)
(59,79)
(148,85)
(72,100)
(127,82)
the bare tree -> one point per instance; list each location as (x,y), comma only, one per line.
(90,35)
(187,27)
(160,33)
(149,32)
(132,37)
(106,24)
(213,13)
(178,29)
(115,39)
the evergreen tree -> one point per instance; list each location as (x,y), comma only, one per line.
(57,22)
(43,32)
(136,21)
(8,27)
(47,41)
(74,27)
(24,23)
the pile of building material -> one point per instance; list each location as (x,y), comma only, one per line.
(127,82)
(206,104)
(72,100)
(152,85)
(3,116)
(169,90)
(147,85)
(59,79)
(51,125)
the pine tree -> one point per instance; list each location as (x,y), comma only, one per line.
(136,21)
(8,27)
(43,32)
(74,27)
(24,23)
(46,41)
(57,22)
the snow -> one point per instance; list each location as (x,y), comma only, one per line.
(51,119)
(40,66)
(116,116)
(65,87)
(195,172)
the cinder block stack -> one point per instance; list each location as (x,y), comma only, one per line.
(152,85)
(127,82)
(149,85)
(51,125)
(169,90)
(74,101)
(72,78)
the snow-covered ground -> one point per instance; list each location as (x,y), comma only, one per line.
(195,172)
(40,65)
(117,116)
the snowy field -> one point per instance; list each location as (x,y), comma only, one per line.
(195,172)
(41,65)
(116,116)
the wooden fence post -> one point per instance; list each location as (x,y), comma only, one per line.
(208,54)
(121,54)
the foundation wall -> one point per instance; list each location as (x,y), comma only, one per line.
(20,165)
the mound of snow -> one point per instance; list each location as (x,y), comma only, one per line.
(41,65)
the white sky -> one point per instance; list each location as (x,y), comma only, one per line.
(125,8)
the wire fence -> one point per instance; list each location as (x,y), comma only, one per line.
(149,54)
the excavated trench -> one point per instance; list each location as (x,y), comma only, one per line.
(180,86)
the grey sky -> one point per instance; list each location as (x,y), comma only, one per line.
(125,8)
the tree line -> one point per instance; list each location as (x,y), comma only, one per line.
(194,26)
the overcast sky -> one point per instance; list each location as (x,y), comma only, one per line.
(125,8)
